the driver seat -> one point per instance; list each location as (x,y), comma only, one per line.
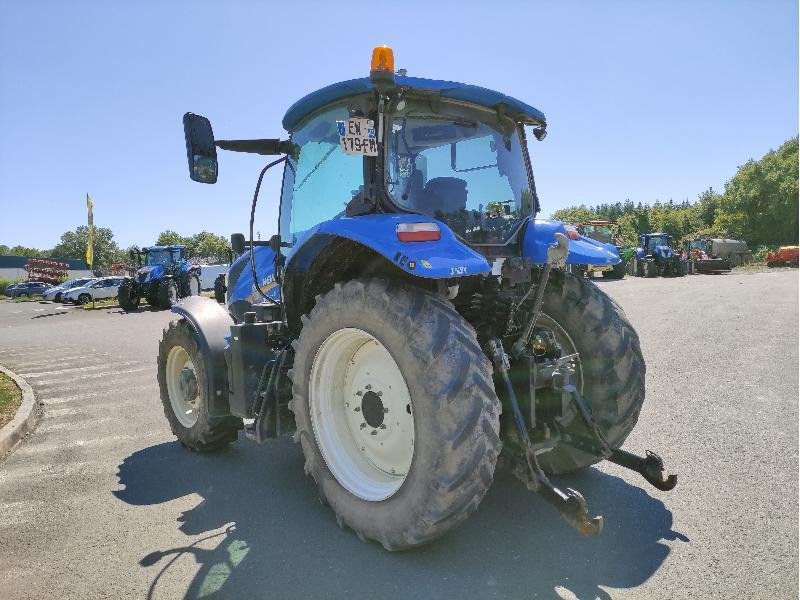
(443,194)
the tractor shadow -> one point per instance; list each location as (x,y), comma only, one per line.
(263,533)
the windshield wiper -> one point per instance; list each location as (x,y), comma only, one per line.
(317,166)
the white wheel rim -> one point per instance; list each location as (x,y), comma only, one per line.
(361,414)
(183,398)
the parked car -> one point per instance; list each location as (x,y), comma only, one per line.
(55,293)
(27,289)
(101,288)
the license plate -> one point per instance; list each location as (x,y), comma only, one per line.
(357,136)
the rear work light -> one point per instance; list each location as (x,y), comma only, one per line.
(418,232)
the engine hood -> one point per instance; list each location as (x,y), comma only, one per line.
(663,251)
(147,274)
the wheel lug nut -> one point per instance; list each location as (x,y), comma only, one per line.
(374,432)
(368,387)
(385,410)
(357,409)
(359,393)
(383,426)
(363,425)
(380,393)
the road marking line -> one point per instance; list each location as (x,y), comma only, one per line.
(34,374)
(88,443)
(38,364)
(59,382)
(79,425)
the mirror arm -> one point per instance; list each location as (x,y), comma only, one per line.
(269,147)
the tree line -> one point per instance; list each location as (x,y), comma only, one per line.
(204,246)
(758,205)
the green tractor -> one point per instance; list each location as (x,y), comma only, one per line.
(608,234)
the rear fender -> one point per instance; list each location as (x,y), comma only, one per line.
(444,258)
(211,323)
(540,233)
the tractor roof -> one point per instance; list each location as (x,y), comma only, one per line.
(157,248)
(516,109)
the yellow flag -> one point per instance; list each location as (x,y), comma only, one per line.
(90,241)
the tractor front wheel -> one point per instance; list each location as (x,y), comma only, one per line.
(617,272)
(184,392)
(128,296)
(395,410)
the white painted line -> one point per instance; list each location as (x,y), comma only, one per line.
(42,429)
(60,382)
(35,374)
(59,361)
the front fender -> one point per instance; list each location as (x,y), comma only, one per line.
(211,323)
(540,233)
(444,258)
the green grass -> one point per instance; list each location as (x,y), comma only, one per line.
(10,399)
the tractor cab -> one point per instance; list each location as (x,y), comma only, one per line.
(165,256)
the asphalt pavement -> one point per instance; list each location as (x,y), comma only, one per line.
(102,502)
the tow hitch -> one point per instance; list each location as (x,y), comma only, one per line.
(569,502)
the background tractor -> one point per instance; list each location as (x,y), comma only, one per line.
(702,259)
(655,257)
(164,276)
(412,318)
(607,233)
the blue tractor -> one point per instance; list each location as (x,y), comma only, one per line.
(655,257)
(412,319)
(164,276)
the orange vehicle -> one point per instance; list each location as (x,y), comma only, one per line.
(786,256)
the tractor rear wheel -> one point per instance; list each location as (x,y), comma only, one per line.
(219,288)
(610,371)
(649,268)
(128,296)
(167,293)
(184,392)
(395,410)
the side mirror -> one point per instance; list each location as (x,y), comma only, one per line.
(200,149)
(237,244)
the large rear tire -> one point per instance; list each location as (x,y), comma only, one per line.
(220,288)
(184,390)
(128,296)
(612,369)
(167,293)
(367,348)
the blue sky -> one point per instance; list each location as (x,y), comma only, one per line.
(644,100)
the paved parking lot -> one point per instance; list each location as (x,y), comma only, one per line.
(101,502)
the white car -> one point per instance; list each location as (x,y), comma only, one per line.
(99,289)
(55,293)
